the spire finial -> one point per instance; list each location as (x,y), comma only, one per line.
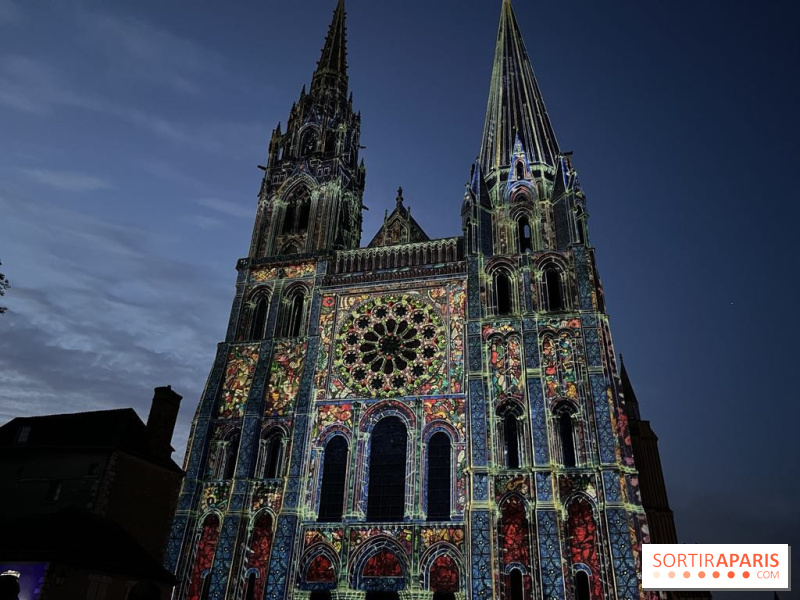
(334,52)
(399,196)
(515,104)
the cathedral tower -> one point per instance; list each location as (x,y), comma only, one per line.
(417,418)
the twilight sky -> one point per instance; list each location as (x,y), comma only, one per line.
(130,134)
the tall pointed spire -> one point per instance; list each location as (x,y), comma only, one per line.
(334,53)
(515,105)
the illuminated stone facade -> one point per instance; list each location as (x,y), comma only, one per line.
(415,416)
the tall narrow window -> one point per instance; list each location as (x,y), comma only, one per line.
(552,280)
(334,470)
(582,588)
(565,428)
(294,313)
(259,319)
(206,593)
(525,235)
(302,216)
(439,457)
(515,585)
(387,471)
(511,439)
(502,293)
(250,592)
(272,455)
(289,218)
(231,449)
(520,170)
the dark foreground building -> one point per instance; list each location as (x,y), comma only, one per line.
(87,503)
(417,418)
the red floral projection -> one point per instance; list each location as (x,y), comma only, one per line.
(320,570)
(444,575)
(582,532)
(383,564)
(205,555)
(260,544)
(514,532)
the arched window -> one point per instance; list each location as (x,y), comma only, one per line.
(439,457)
(294,312)
(511,440)
(582,588)
(302,215)
(271,456)
(204,559)
(334,471)
(520,170)
(567,434)
(552,288)
(298,206)
(308,144)
(502,301)
(387,471)
(259,321)
(525,235)
(515,587)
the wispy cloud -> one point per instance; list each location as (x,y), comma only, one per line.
(104,327)
(226,207)
(67,180)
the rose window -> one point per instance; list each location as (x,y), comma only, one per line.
(390,346)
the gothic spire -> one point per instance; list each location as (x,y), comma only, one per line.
(515,105)
(334,53)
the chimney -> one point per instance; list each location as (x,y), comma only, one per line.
(161,421)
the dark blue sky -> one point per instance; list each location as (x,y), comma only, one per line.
(131,132)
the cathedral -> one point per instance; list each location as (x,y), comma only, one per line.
(421,418)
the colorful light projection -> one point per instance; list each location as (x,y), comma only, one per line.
(560,373)
(391,346)
(284,378)
(238,377)
(206,548)
(582,537)
(260,546)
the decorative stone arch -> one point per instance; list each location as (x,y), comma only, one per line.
(204,547)
(522,191)
(308,139)
(260,538)
(430,563)
(318,568)
(502,287)
(369,420)
(553,283)
(271,465)
(431,429)
(515,539)
(512,433)
(323,441)
(375,556)
(255,311)
(294,309)
(567,426)
(224,451)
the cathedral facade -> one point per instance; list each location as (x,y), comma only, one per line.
(416,418)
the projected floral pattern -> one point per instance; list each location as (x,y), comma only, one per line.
(514,537)
(238,377)
(505,362)
(260,545)
(284,378)
(391,346)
